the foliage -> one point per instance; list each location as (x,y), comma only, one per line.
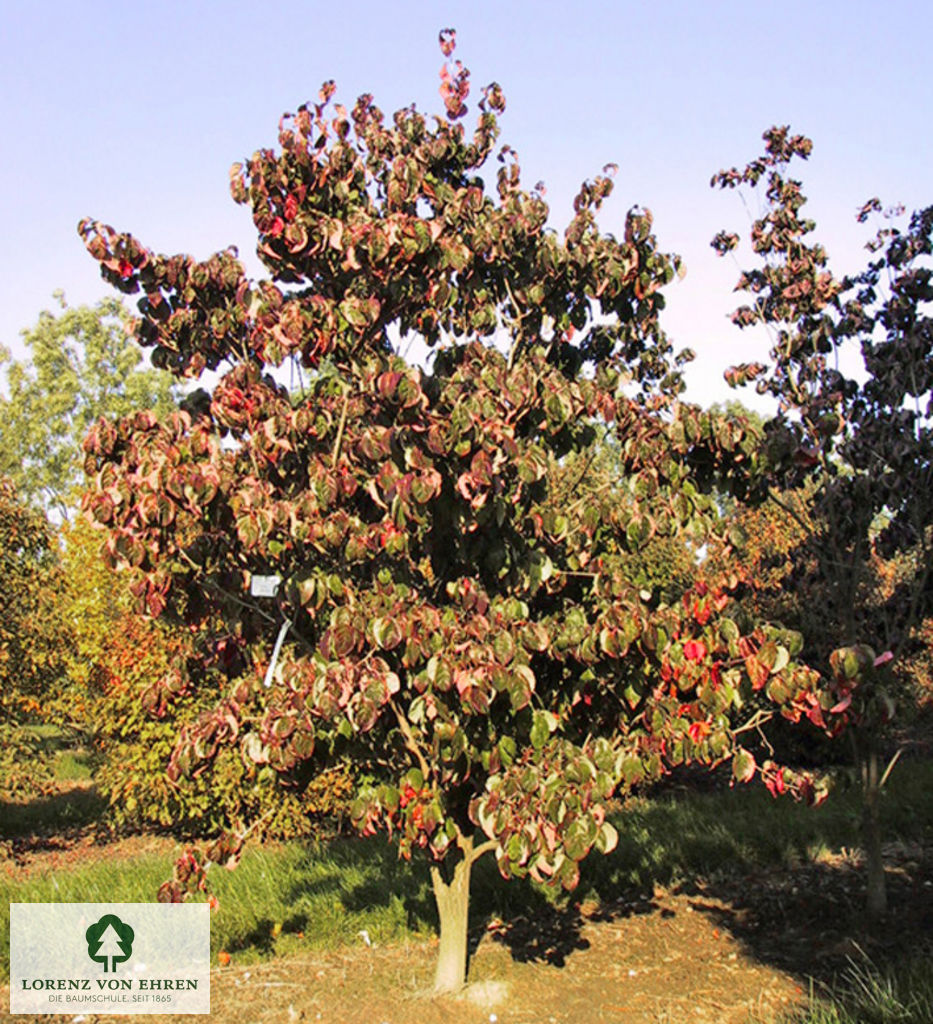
(780,567)
(23,774)
(29,570)
(30,638)
(850,367)
(470,637)
(81,365)
(113,666)
(663,565)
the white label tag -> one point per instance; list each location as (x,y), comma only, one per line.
(265,586)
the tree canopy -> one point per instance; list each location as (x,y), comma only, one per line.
(80,365)
(30,639)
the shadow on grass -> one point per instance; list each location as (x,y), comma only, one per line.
(377,878)
(43,816)
(773,873)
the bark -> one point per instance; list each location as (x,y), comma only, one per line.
(451,885)
(877,895)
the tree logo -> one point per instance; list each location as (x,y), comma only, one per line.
(109,941)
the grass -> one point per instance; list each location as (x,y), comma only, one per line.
(61,748)
(71,762)
(675,837)
(279,899)
(73,765)
(325,897)
(867,994)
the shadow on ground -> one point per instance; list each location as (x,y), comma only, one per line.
(791,903)
(796,905)
(776,876)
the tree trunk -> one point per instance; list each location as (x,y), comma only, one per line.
(452,894)
(877,901)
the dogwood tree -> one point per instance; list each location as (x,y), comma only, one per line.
(456,609)
(849,365)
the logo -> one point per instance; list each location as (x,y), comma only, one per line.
(109,958)
(109,942)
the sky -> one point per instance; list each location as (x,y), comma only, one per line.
(133,114)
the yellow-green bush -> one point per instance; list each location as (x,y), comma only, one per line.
(116,657)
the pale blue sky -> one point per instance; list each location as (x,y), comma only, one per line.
(133,113)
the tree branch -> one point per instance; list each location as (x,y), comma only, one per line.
(890,767)
(773,495)
(410,742)
(517,343)
(485,847)
(223,592)
(338,441)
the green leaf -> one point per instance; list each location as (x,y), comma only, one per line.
(729,631)
(386,633)
(607,839)
(540,569)
(743,765)
(504,647)
(543,723)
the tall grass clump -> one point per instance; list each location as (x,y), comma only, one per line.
(867,994)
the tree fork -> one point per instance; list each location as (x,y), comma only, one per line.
(452,896)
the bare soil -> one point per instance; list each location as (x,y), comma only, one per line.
(665,960)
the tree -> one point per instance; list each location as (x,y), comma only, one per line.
(454,611)
(30,635)
(110,949)
(81,366)
(850,365)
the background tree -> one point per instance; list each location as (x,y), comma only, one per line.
(665,566)
(449,614)
(851,368)
(81,365)
(30,637)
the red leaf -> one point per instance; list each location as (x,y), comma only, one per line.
(775,782)
(757,672)
(842,705)
(695,650)
(447,37)
(698,731)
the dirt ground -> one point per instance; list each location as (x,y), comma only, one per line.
(666,960)
(738,951)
